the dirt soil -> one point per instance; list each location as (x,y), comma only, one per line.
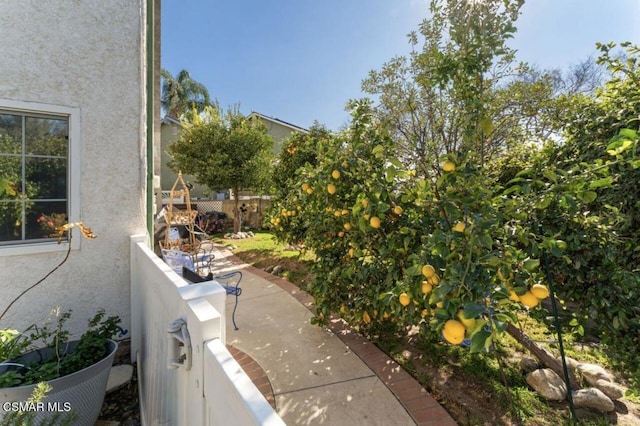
(470,403)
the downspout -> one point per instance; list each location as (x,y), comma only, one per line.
(150,117)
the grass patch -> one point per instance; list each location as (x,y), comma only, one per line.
(263,250)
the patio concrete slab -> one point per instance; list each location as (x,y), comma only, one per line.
(329,376)
(295,354)
(364,401)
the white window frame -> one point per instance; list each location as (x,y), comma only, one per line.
(72,114)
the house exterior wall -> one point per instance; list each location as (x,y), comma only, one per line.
(88,55)
(170,132)
(277,132)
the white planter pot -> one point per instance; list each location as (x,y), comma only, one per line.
(82,391)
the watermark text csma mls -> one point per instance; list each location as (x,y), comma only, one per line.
(58,407)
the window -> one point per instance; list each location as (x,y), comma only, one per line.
(38,157)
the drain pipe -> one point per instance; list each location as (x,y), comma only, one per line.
(150,116)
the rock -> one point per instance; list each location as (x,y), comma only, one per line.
(572,364)
(268,268)
(592,373)
(612,390)
(277,269)
(547,383)
(251,234)
(529,364)
(119,376)
(593,399)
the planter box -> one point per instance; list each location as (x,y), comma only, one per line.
(81,392)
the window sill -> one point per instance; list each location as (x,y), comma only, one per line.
(37,248)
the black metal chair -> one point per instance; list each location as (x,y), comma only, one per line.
(183,264)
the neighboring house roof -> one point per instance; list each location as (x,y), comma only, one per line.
(170,120)
(278,121)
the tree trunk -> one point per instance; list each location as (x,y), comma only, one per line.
(236,211)
(546,357)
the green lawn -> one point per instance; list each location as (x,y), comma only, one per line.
(263,250)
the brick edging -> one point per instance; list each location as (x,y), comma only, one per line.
(255,372)
(420,405)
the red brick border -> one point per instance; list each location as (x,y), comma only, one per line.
(420,405)
(256,373)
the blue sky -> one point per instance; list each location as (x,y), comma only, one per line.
(302,60)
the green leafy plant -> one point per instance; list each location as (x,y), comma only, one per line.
(91,348)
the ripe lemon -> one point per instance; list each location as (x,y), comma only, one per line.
(305,186)
(426,287)
(467,322)
(398,210)
(366,318)
(309,191)
(337,213)
(434,280)
(425,313)
(439,305)
(331,189)
(351,251)
(341,234)
(365,203)
(449,166)
(529,300)
(385,315)
(514,296)
(347,226)
(453,332)
(335,174)
(405,299)
(428,271)
(366,216)
(375,222)
(540,291)
(345,211)
(459,227)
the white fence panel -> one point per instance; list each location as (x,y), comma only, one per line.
(209,387)
(232,399)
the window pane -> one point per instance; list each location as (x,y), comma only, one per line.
(46,136)
(10,221)
(33,176)
(44,217)
(10,134)
(46,178)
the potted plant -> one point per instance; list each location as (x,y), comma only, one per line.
(75,372)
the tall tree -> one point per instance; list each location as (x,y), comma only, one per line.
(461,90)
(224,150)
(182,93)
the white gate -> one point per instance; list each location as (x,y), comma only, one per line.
(186,375)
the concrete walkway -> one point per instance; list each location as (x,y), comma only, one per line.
(330,376)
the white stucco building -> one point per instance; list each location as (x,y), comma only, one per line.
(73,142)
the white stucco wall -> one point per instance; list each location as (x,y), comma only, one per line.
(86,54)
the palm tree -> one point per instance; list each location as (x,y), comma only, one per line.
(182,93)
